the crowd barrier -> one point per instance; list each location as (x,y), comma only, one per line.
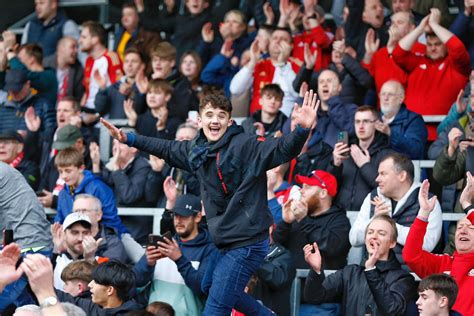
(303,273)
(295,297)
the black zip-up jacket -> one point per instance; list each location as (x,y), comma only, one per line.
(275,277)
(355,183)
(385,290)
(329,229)
(93,309)
(236,207)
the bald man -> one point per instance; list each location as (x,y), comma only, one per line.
(69,70)
(406,129)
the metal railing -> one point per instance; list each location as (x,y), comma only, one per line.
(295,296)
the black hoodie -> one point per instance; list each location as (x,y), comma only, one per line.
(384,290)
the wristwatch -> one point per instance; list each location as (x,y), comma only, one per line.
(49,301)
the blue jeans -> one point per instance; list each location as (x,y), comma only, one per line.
(16,292)
(231,270)
(327,309)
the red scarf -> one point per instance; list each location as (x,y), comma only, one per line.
(17,160)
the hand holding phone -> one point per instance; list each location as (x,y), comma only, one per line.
(154,239)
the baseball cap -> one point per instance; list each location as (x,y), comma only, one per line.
(320,178)
(74,218)
(187,205)
(66,137)
(14,80)
(11,134)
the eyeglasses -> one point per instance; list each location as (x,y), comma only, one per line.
(84,210)
(323,184)
(364,122)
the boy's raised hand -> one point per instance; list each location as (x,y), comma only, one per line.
(306,114)
(114,131)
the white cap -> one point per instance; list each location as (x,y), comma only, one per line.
(74,218)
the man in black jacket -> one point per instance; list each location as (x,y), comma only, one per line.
(355,164)
(126,174)
(380,287)
(231,168)
(314,218)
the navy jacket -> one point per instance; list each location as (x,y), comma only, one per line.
(12,113)
(47,36)
(408,134)
(200,249)
(236,208)
(219,72)
(128,186)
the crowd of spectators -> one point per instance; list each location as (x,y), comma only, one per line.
(383,72)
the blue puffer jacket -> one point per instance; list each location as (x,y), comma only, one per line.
(91,184)
(408,134)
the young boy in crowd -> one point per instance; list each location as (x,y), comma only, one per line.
(70,164)
(156,121)
(438,294)
(76,277)
(163,62)
(269,120)
(231,166)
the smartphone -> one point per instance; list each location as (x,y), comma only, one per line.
(154,239)
(40,193)
(7,237)
(343,137)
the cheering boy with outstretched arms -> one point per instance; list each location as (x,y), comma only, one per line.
(231,167)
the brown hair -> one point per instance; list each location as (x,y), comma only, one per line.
(164,50)
(196,58)
(160,309)
(96,30)
(215,100)
(443,285)
(161,85)
(134,50)
(368,108)
(78,270)
(69,157)
(33,50)
(75,105)
(273,90)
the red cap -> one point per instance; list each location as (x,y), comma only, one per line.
(320,178)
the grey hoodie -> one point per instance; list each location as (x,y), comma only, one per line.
(21,211)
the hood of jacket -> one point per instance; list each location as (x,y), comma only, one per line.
(88,177)
(201,148)
(202,239)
